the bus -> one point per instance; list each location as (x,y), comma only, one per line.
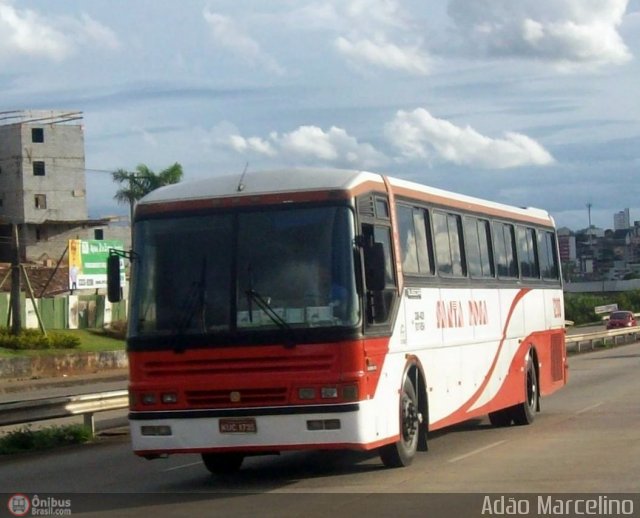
(303,309)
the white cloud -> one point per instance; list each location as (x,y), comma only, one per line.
(254,144)
(367,33)
(384,54)
(29,33)
(89,30)
(571,34)
(344,15)
(26,32)
(419,135)
(375,13)
(381,35)
(227,34)
(312,144)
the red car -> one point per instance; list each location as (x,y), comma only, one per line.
(621,319)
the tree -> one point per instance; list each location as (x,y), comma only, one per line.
(141,182)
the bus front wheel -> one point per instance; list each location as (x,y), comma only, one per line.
(222,463)
(402,452)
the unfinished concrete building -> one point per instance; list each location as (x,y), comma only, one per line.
(42,183)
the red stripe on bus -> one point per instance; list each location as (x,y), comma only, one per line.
(463,413)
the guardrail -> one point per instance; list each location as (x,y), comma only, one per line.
(615,336)
(18,412)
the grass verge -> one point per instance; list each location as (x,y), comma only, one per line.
(91,340)
(25,439)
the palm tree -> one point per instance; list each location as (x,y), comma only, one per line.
(142,182)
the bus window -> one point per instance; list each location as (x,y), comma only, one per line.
(423,243)
(380,302)
(505,250)
(382,235)
(382,208)
(407,235)
(447,236)
(548,258)
(527,253)
(478,247)
(412,230)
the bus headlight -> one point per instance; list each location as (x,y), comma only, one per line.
(307,393)
(148,398)
(169,398)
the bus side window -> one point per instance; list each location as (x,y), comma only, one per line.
(447,232)
(379,301)
(408,241)
(478,247)
(527,253)
(505,250)
(413,225)
(382,235)
(548,257)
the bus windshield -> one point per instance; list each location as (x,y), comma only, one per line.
(241,271)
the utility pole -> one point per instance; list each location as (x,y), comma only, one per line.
(589,205)
(16,312)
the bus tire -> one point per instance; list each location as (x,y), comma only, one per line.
(222,463)
(402,452)
(501,418)
(525,412)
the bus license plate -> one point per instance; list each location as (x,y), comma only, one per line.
(247,425)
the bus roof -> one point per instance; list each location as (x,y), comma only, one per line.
(253,184)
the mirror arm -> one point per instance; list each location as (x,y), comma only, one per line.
(131,255)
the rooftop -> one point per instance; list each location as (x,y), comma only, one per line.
(39,116)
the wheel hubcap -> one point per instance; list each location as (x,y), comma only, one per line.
(410,419)
(531,390)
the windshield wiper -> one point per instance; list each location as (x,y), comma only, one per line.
(194,302)
(264,305)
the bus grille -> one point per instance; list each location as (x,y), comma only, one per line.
(226,366)
(249,397)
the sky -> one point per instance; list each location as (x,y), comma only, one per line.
(524,102)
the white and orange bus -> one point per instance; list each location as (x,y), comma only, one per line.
(334,309)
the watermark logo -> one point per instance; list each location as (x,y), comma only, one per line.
(23,505)
(19,505)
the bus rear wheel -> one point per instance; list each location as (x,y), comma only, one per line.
(402,452)
(525,412)
(501,418)
(222,463)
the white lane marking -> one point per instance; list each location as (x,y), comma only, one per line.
(589,408)
(181,467)
(479,450)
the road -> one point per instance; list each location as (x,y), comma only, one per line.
(587,439)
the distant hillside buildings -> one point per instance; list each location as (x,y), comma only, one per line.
(42,185)
(593,254)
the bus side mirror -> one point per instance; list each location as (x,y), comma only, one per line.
(374,267)
(114,289)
